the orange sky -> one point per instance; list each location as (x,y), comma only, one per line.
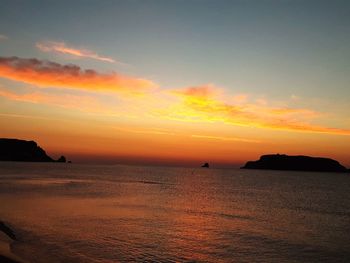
(110,117)
(177,127)
(177,82)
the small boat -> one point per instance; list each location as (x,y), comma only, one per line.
(206,165)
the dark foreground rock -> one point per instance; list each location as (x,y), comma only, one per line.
(6,255)
(24,151)
(295,163)
(4,259)
(8,231)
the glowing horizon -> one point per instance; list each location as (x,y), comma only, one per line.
(174,101)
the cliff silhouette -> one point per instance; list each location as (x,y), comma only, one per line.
(23,151)
(295,163)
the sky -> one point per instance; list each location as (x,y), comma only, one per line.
(177,82)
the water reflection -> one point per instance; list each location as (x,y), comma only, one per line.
(121,213)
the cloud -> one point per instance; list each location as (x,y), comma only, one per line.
(202,104)
(83,103)
(24,116)
(3,37)
(50,74)
(240,98)
(61,47)
(221,138)
(193,104)
(147,131)
(202,92)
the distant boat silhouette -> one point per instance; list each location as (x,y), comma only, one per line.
(206,165)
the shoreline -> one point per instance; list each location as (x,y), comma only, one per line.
(7,236)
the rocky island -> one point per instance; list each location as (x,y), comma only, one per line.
(24,151)
(295,163)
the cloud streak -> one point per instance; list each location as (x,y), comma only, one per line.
(82,103)
(193,104)
(202,104)
(221,138)
(50,74)
(61,47)
(147,131)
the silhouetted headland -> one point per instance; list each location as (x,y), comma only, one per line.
(295,163)
(24,151)
(205,165)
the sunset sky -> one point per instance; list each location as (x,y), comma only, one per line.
(177,82)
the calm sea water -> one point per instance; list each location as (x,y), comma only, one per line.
(85,213)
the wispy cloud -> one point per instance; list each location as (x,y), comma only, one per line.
(193,104)
(240,98)
(82,103)
(3,37)
(202,104)
(63,48)
(25,116)
(50,74)
(200,92)
(222,138)
(146,131)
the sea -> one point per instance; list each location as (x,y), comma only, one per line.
(117,213)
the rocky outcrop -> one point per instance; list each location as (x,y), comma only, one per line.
(62,159)
(8,231)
